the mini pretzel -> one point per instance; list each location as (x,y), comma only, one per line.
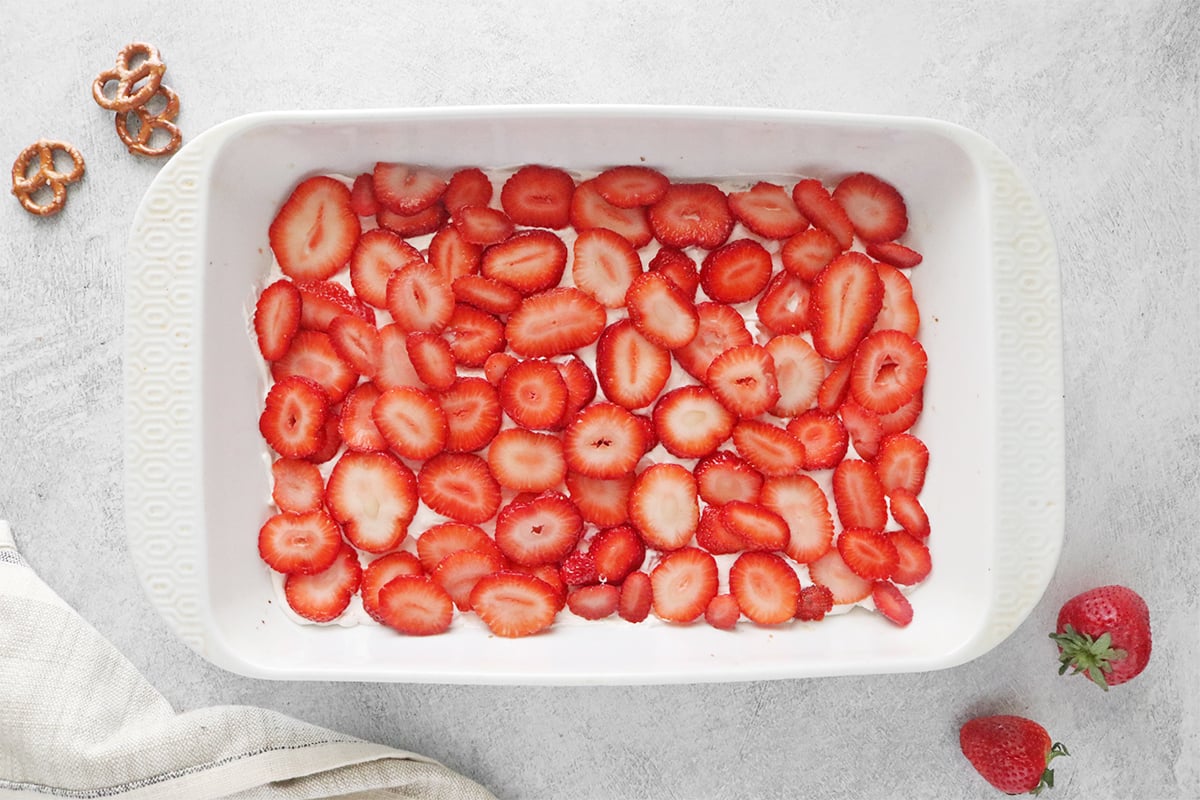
(24,185)
(139,142)
(127,97)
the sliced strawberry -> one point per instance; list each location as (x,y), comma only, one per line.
(759,527)
(616,552)
(664,506)
(660,312)
(899,311)
(452,255)
(419,224)
(603,441)
(765,586)
(915,563)
(486,294)
(721,328)
(768,448)
(442,540)
(630,186)
(692,214)
(869,554)
(496,365)
(315,231)
(525,461)
(679,268)
(433,360)
(331,440)
(845,586)
(713,536)
(311,355)
(458,573)
(845,300)
(473,335)
(323,596)
(321,302)
(783,307)
(801,503)
(406,189)
(473,414)
(768,210)
(864,428)
(590,210)
(277,318)
(875,208)
(539,531)
(529,261)
(859,496)
(581,384)
(374,498)
(411,422)
(908,513)
(415,605)
(293,417)
(683,583)
(419,298)
(380,572)
(603,502)
(482,225)
(459,486)
(904,417)
(724,476)
(467,187)
(723,612)
(594,602)
(603,265)
(691,423)
(554,323)
(547,573)
(512,604)
(889,368)
(799,373)
(815,602)
(533,394)
(299,543)
(815,202)
(357,343)
(636,597)
(894,254)
(395,369)
(631,370)
(807,253)
(901,463)
(743,379)
(892,603)
(736,272)
(538,196)
(824,438)
(362,195)
(578,569)
(297,485)
(835,387)
(648,429)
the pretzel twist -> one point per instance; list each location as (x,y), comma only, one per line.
(139,142)
(129,95)
(25,185)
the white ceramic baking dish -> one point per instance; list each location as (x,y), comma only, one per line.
(197,490)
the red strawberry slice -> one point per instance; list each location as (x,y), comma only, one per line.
(362,195)
(724,476)
(759,527)
(875,208)
(869,554)
(590,210)
(529,261)
(864,428)
(835,387)
(473,415)
(859,496)
(411,422)
(525,461)
(799,373)
(815,203)
(458,573)
(415,605)
(538,196)
(721,328)
(467,187)
(894,254)
(447,538)
(904,417)
(419,224)
(899,311)
(630,186)
(315,231)
(691,423)
(845,300)
(512,604)
(581,384)
(486,294)
(736,272)
(765,586)
(603,266)
(664,506)
(377,255)
(534,395)
(355,426)
(547,573)
(496,365)
(452,255)
(892,603)
(321,302)
(631,370)
(815,602)
(604,441)
(723,612)
(293,418)
(660,312)
(743,379)
(554,323)
(679,268)
(473,335)
(578,569)
(768,210)
(299,543)
(915,563)
(683,584)
(374,498)
(297,485)
(901,463)
(783,307)
(323,596)
(312,356)
(357,343)
(908,513)
(277,318)
(395,370)
(603,502)
(616,552)
(824,438)
(713,536)
(419,298)
(539,531)
(482,225)
(459,486)
(636,597)
(807,253)
(768,448)
(692,214)
(594,602)
(889,368)
(647,424)
(801,503)
(331,442)
(433,360)
(831,571)
(382,571)
(406,189)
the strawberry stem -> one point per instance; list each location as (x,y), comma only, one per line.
(1047,781)
(1082,653)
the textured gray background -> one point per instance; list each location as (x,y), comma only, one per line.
(1099,108)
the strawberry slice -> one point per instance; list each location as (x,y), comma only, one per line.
(864,428)
(915,563)
(482,225)
(538,196)
(691,423)
(312,355)
(603,502)
(277,318)
(297,485)
(901,463)
(590,210)
(603,266)
(496,365)
(533,394)
(859,496)
(664,506)
(377,255)
(374,498)
(824,438)
(894,254)
(419,297)
(892,603)
(801,503)
(768,448)
(743,380)
(331,441)
(356,342)
(736,272)
(293,417)
(486,294)
(406,189)
(679,268)
(578,569)
(473,415)
(415,605)
(874,207)
(724,476)
(908,513)
(423,222)
(512,604)
(395,370)
(904,417)
(467,187)
(299,543)
(845,300)
(447,538)
(899,311)
(815,203)
(765,586)
(799,372)
(321,302)
(603,441)
(692,214)
(543,530)
(660,312)
(458,573)
(815,602)
(807,253)
(555,322)
(721,328)
(452,255)
(723,612)
(616,552)
(459,486)
(355,426)
(323,596)
(433,360)
(473,335)
(844,585)
(525,461)
(580,382)
(636,597)
(889,368)
(869,554)
(362,195)
(315,231)
(768,210)
(835,387)
(382,571)
(759,527)
(783,307)
(683,584)
(594,602)
(529,261)
(631,370)
(630,186)
(411,422)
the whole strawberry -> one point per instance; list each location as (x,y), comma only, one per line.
(1105,634)
(1011,753)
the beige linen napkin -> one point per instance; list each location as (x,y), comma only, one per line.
(77,720)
